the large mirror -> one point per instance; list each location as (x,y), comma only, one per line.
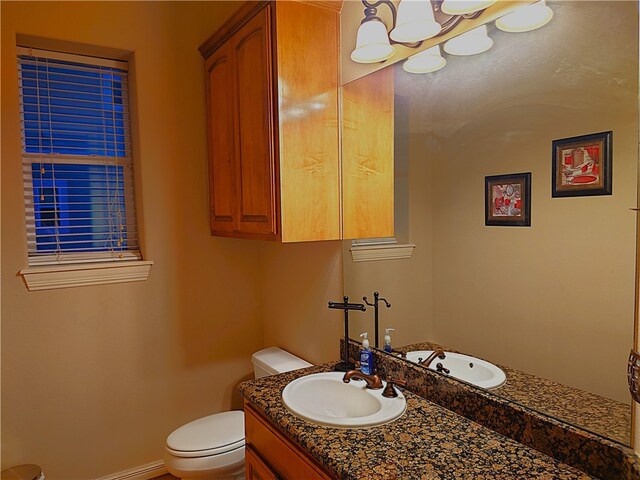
(551,303)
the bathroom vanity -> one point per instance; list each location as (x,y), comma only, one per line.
(270,455)
(428,441)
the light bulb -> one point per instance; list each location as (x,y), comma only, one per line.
(427,61)
(372,43)
(469,43)
(526,18)
(415,22)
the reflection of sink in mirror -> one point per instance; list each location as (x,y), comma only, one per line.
(463,367)
(323,398)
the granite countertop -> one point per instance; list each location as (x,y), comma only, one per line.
(600,415)
(427,442)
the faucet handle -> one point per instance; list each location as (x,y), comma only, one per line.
(389,391)
(440,368)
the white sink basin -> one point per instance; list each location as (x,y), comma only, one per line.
(463,367)
(323,398)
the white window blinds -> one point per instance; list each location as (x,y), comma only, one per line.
(77,163)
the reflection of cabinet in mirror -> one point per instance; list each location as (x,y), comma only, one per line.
(273,128)
(367,156)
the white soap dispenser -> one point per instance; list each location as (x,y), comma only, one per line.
(387,339)
(366,356)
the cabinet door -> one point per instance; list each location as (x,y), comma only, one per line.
(255,158)
(256,469)
(281,455)
(221,140)
(308,78)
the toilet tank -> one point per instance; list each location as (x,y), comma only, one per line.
(274,360)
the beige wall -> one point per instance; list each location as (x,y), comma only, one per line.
(297,282)
(407,283)
(542,299)
(94,378)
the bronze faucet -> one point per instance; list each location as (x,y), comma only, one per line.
(438,352)
(373,381)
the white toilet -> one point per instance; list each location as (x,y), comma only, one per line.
(212,448)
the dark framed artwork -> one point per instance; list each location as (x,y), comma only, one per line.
(508,200)
(582,165)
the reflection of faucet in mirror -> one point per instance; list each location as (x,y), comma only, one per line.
(373,381)
(440,368)
(437,353)
(376,300)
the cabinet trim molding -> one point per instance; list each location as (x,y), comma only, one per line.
(231,26)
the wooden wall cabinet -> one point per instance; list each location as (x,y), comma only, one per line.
(272,112)
(242,170)
(274,126)
(269,455)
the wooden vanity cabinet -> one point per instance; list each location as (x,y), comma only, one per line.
(273,123)
(269,455)
(255,467)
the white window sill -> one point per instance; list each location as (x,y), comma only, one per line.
(65,276)
(371,253)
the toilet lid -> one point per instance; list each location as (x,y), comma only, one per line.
(212,435)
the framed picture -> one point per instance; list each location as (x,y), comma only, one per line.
(582,165)
(508,200)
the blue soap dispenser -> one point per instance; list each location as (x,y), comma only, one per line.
(366,356)
(387,340)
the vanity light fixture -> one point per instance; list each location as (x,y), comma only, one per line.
(469,43)
(427,61)
(372,44)
(413,22)
(417,20)
(526,18)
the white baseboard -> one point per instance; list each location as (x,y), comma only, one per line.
(143,472)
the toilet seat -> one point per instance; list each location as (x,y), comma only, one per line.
(208,436)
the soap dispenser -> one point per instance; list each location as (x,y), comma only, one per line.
(366,356)
(387,339)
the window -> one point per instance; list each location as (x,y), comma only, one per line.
(77,162)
